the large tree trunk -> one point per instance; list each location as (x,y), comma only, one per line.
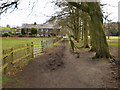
(85,29)
(76,24)
(93,38)
(102,50)
(98,36)
(85,35)
(82,34)
(76,34)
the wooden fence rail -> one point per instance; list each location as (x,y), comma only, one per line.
(13,58)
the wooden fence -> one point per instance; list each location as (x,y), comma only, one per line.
(15,57)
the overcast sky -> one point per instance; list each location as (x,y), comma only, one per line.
(43,10)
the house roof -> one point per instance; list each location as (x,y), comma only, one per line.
(38,26)
(5,30)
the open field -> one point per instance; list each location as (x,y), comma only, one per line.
(9,42)
(4,28)
(113,37)
(17,42)
(114,41)
(114,44)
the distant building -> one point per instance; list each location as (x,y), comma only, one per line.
(14,30)
(44,30)
(5,30)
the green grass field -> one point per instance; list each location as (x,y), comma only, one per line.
(114,44)
(4,28)
(10,42)
(114,41)
(113,37)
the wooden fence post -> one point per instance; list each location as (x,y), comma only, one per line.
(46,43)
(53,40)
(3,62)
(27,48)
(42,47)
(12,55)
(32,48)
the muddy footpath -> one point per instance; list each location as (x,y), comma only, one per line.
(59,68)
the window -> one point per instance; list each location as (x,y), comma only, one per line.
(46,35)
(46,30)
(41,30)
(42,35)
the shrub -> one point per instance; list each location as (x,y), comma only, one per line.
(23,31)
(20,35)
(6,34)
(0,34)
(34,30)
(11,33)
(17,34)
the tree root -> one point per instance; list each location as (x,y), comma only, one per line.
(102,56)
(91,50)
(87,46)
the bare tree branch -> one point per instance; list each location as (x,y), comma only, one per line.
(7,5)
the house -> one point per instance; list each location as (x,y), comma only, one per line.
(44,30)
(3,30)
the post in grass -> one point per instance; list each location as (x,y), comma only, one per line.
(42,47)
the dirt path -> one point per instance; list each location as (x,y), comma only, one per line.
(59,68)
